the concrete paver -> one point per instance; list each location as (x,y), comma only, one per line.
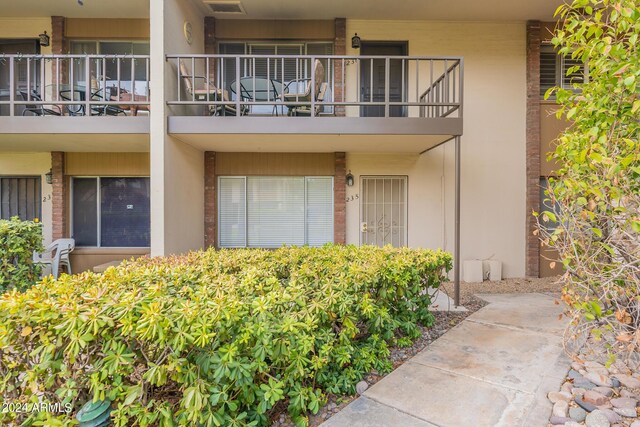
(362,410)
(493,369)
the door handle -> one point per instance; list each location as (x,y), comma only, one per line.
(364,227)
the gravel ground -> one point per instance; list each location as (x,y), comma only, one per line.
(443,322)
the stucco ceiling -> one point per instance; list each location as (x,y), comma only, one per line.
(454,10)
(71,8)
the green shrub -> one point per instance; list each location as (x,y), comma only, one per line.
(214,337)
(18,240)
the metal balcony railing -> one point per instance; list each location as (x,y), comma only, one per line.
(317,86)
(73,85)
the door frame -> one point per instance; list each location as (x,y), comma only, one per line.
(404,46)
(406,203)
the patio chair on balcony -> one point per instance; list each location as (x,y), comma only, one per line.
(56,255)
(209,93)
(293,99)
(78,94)
(38,109)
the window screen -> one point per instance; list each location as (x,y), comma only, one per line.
(274,211)
(20,196)
(85,211)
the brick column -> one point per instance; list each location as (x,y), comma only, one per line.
(532,262)
(59,46)
(339,199)
(339,48)
(210,199)
(210,46)
(58,196)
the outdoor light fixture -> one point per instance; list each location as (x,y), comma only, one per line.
(44,39)
(350,179)
(49,176)
(355,42)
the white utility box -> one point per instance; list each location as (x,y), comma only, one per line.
(472,271)
(493,269)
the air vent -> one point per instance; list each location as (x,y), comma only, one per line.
(226,7)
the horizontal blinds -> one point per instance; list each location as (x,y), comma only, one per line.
(275,211)
(232,212)
(319,210)
(548,70)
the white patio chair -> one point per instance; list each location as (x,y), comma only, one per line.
(55,256)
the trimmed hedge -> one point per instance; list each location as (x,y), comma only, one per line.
(214,337)
(18,240)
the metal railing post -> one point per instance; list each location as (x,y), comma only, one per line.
(387,89)
(456,271)
(12,86)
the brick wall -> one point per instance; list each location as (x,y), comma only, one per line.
(339,48)
(58,196)
(339,199)
(210,197)
(59,45)
(210,46)
(532,266)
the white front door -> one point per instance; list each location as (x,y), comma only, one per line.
(383,211)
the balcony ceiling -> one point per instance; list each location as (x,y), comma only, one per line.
(445,10)
(71,8)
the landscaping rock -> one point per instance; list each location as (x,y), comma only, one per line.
(615,383)
(597,419)
(361,387)
(558,421)
(627,393)
(624,402)
(628,381)
(635,424)
(572,424)
(626,412)
(599,379)
(595,398)
(585,405)
(555,396)
(560,409)
(583,383)
(577,414)
(567,386)
(577,391)
(605,391)
(611,416)
(574,374)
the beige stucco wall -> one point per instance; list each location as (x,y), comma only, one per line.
(32,164)
(177,169)
(25,28)
(493,145)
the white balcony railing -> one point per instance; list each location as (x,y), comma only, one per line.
(73,85)
(317,86)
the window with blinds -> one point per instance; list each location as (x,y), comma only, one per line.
(554,70)
(269,212)
(21,197)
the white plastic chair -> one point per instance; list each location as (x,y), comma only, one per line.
(56,255)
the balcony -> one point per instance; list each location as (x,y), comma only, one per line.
(80,102)
(344,103)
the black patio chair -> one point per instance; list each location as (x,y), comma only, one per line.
(38,109)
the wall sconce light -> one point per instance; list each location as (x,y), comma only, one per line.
(355,42)
(44,39)
(48,177)
(350,179)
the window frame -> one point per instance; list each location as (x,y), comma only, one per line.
(99,209)
(560,76)
(246,208)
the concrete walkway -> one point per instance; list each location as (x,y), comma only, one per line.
(493,369)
